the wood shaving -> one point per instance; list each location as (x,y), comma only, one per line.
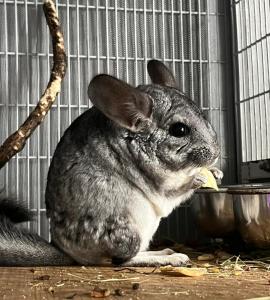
(183,271)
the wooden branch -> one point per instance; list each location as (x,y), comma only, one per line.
(15,142)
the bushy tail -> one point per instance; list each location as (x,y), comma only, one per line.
(18,247)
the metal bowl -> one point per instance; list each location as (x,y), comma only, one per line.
(213,212)
(251,205)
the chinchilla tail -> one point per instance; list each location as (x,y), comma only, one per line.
(18,247)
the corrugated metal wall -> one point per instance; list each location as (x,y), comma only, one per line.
(116,37)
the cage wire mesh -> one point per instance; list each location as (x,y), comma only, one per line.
(116,37)
(252,57)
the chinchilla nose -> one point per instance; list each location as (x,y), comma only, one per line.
(211,141)
(213,149)
(204,154)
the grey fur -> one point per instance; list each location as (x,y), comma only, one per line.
(100,170)
(115,171)
(18,247)
(14,211)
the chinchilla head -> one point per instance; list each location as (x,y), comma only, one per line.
(157,122)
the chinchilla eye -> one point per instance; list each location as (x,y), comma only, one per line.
(179,129)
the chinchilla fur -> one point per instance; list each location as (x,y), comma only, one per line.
(118,169)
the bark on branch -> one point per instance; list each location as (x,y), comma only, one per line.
(15,142)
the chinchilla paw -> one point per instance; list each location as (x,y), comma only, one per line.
(174,259)
(178,259)
(218,174)
(198,181)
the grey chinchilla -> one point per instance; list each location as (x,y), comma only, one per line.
(122,166)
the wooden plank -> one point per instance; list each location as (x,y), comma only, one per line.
(79,282)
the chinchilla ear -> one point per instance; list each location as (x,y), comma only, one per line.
(160,74)
(122,103)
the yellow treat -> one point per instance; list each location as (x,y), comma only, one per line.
(211,181)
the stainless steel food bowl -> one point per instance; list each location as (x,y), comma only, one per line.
(242,208)
(213,212)
(251,204)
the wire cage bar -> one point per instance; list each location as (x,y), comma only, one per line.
(117,37)
(252,57)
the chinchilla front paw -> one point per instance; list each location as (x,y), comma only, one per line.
(158,258)
(198,181)
(218,174)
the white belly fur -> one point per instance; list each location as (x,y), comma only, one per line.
(146,215)
(146,212)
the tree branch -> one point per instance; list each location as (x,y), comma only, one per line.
(16,142)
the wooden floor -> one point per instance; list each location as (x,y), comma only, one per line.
(132,283)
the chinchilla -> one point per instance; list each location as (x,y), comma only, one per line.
(118,169)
